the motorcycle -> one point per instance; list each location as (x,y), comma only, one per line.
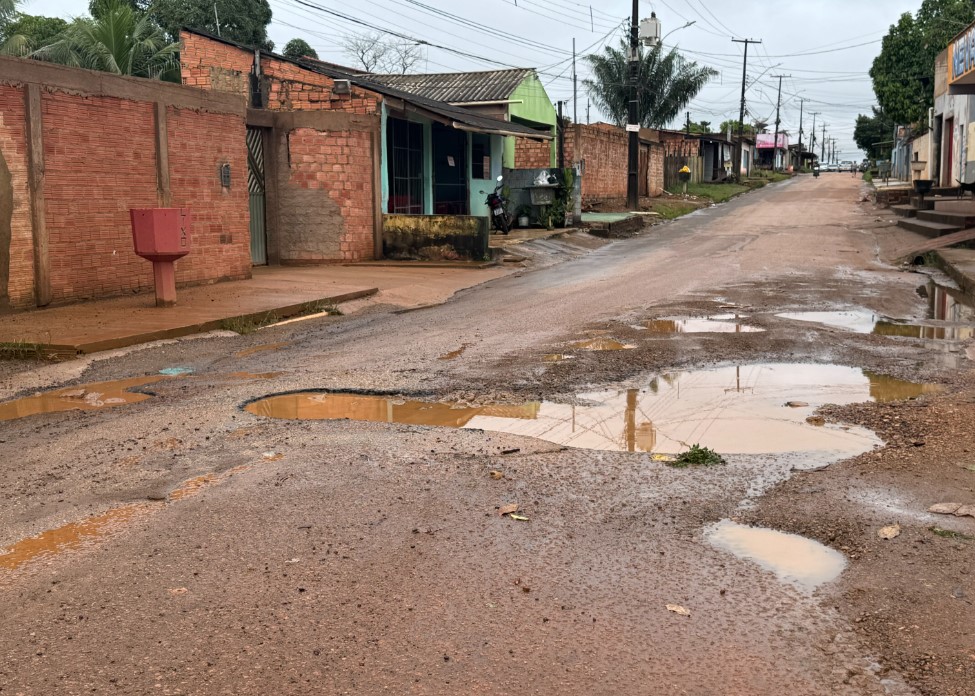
(497,205)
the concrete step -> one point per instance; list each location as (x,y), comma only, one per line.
(961,220)
(928,229)
(925,203)
(904,210)
(955,205)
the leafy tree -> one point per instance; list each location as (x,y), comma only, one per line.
(96,8)
(299,48)
(748,128)
(903,73)
(667,83)
(11,42)
(243,21)
(874,129)
(121,41)
(37,31)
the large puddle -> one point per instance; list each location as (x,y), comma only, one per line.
(795,559)
(944,305)
(732,410)
(85,397)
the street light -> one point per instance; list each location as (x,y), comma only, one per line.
(693,21)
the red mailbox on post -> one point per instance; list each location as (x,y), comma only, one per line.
(162,235)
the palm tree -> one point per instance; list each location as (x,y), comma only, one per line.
(666,83)
(120,40)
(10,44)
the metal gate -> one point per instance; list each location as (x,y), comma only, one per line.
(255,185)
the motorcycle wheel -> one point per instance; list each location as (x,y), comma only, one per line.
(501,224)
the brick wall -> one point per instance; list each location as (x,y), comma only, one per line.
(533,154)
(605,149)
(100,159)
(326,195)
(209,64)
(17,265)
(289,87)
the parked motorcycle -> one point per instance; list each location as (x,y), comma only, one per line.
(498,207)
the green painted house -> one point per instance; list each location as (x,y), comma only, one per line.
(515,95)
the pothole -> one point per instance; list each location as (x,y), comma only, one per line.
(856,320)
(802,562)
(733,410)
(85,397)
(600,344)
(687,325)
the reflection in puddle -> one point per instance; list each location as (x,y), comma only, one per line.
(556,357)
(857,320)
(85,397)
(803,562)
(724,324)
(731,410)
(260,349)
(68,537)
(945,304)
(934,333)
(600,344)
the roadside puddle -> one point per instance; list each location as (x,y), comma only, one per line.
(802,562)
(733,410)
(267,347)
(83,397)
(687,325)
(556,357)
(856,320)
(600,344)
(68,537)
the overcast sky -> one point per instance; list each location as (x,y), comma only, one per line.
(825,47)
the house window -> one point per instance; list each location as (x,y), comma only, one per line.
(480,156)
(404,149)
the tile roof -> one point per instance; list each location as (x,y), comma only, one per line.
(462,88)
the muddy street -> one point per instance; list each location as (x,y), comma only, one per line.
(487,495)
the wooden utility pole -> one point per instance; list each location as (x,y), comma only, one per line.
(802,103)
(741,113)
(823,144)
(812,142)
(575,91)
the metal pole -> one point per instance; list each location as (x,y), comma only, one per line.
(217,18)
(633,120)
(801,104)
(741,113)
(561,134)
(812,140)
(823,145)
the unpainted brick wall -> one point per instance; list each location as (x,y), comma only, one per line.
(13,146)
(532,154)
(606,152)
(656,173)
(209,64)
(100,161)
(337,226)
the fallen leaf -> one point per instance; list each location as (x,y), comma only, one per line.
(507,509)
(497,475)
(662,458)
(890,532)
(945,508)
(678,609)
(520,518)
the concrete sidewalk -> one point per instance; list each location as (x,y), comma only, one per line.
(275,292)
(959,265)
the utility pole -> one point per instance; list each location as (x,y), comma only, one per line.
(633,122)
(561,135)
(823,144)
(688,122)
(812,146)
(802,103)
(575,91)
(775,143)
(588,104)
(216,17)
(741,113)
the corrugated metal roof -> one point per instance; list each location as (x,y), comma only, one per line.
(460,88)
(468,120)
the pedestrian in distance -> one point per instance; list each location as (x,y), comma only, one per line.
(853,171)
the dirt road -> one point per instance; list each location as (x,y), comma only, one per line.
(182,544)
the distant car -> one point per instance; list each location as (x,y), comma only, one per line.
(847,165)
(829,167)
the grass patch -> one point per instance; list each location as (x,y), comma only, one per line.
(21,350)
(697,456)
(948,534)
(717,193)
(250,324)
(668,210)
(770,176)
(868,176)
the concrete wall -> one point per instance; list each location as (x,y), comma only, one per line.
(435,237)
(80,148)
